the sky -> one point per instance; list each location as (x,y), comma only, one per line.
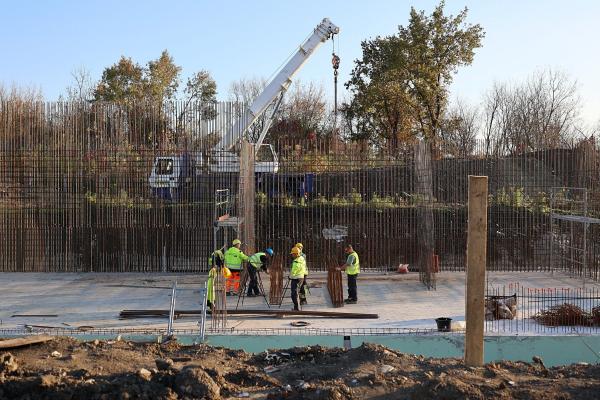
(42,42)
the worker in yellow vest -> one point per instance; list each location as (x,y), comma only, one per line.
(303,293)
(297,272)
(216,262)
(234,260)
(352,269)
(256,262)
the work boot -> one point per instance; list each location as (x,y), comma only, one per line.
(350,301)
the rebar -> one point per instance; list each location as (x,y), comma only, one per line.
(76,195)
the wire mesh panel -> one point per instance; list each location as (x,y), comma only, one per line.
(131,187)
(570,247)
(425,228)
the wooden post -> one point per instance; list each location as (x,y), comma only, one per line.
(476,261)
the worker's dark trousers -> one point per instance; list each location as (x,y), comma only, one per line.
(352,291)
(303,291)
(296,283)
(253,285)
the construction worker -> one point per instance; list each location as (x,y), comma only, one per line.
(352,269)
(257,262)
(234,260)
(216,261)
(304,287)
(297,272)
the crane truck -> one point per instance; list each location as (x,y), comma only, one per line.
(172,173)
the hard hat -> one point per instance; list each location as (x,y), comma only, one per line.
(299,245)
(269,251)
(295,251)
(236,242)
(226,272)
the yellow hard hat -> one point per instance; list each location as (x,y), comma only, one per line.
(295,251)
(299,245)
(226,272)
(236,241)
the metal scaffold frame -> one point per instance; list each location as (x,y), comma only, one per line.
(569,205)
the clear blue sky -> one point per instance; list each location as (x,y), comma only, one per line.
(43,41)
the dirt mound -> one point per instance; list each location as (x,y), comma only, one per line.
(125,370)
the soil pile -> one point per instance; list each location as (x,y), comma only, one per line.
(67,369)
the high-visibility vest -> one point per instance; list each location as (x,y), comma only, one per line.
(353,269)
(305,263)
(212,275)
(234,258)
(255,261)
(217,254)
(298,268)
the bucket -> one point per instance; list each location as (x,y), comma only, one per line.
(443,324)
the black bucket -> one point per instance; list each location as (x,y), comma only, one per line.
(443,324)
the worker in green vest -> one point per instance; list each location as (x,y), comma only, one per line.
(303,291)
(256,262)
(234,260)
(216,262)
(352,269)
(297,272)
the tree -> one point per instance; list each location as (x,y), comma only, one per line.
(459,130)
(129,81)
(541,112)
(302,112)
(242,93)
(121,82)
(400,85)
(162,77)
(200,88)
(82,88)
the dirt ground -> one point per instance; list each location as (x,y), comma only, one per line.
(68,369)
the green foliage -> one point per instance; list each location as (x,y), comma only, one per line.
(122,199)
(400,85)
(513,197)
(382,202)
(163,77)
(158,81)
(261,199)
(320,200)
(339,201)
(286,200)
(354,197)
(540,202)
(122,81)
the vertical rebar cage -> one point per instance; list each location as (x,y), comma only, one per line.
(131,188)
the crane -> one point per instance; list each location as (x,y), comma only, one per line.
(169,172)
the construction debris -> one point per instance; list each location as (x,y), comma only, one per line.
(568,315)
(500,307)
(368,371)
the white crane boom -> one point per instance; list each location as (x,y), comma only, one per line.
(273,92)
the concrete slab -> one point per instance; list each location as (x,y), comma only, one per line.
(95,299)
